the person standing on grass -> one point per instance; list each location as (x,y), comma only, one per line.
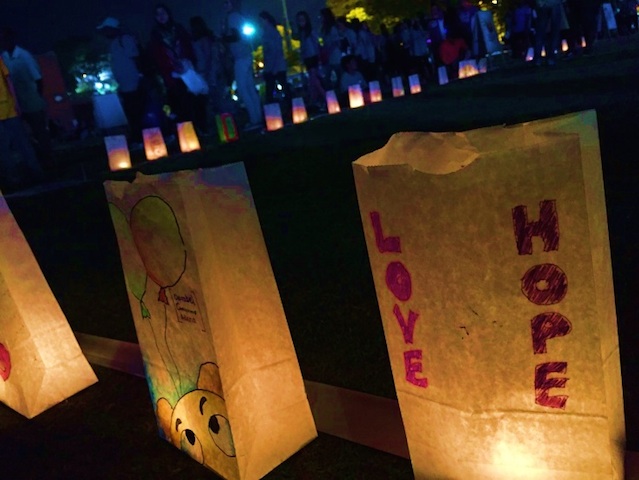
(172,51)
(28,85)
(19,166)
(125,55)
(522,16)
(549,14)
(310,51)
(589,11)
(242,52)
(274,62)
(208,63)
(331,55)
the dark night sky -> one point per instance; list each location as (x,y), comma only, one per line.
(40,23)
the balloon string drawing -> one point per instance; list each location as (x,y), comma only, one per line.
(158,253)
(158,239)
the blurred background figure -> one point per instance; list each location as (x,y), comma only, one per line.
(521,23)
(172,51)
(242,51)
(27,82)
(19,166)
(310,50)
(274,62)
(452,50)
(351,75)
(209,53)
(331,54)
(466,15)
(125,55)
(548,29)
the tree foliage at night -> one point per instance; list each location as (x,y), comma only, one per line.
(381,11)
(390,12)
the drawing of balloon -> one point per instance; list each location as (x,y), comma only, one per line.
(5,363)
(134,270)
(158,239)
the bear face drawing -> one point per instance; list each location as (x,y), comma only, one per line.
(199,426)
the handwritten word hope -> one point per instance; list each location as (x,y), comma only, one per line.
(544,284)
(399,283)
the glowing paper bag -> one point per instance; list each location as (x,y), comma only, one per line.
(355,96)
(226,128)
(490,255)
(118,152)
(375,91)
(41,363)
(187,137)
(468,68)
(332,104)
(442,75)
(222,370)
(154,145)
(398,87)
(414,84)
(108,111)
(299,110)
(273,117)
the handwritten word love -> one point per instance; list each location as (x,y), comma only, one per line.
(399,283)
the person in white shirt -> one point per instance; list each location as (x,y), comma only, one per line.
(124,65)
(350,76)
(28,85)
(310,53)
(242,52)
(274,61)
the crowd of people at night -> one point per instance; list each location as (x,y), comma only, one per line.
(334,53)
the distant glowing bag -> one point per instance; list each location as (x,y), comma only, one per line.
(220,362)
(490,255)
(226,128)
(41,363)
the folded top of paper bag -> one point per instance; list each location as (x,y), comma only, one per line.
(449,152)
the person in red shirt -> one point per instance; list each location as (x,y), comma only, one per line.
(171,48)
(453,49)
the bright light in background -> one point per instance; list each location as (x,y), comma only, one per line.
(248,30)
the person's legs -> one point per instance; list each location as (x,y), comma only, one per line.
(38,123)
(9,175)
(20,141)
(177,96)
(269,85)
(133,105)
(543,17)
(555,32)
(246,88)
(200,117)
(590,13)
(315,90)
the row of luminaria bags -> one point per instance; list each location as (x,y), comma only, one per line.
(155,146)
(490,255)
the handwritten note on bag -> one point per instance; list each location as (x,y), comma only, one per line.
(491,262)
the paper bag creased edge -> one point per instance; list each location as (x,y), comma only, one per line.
(450,152)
